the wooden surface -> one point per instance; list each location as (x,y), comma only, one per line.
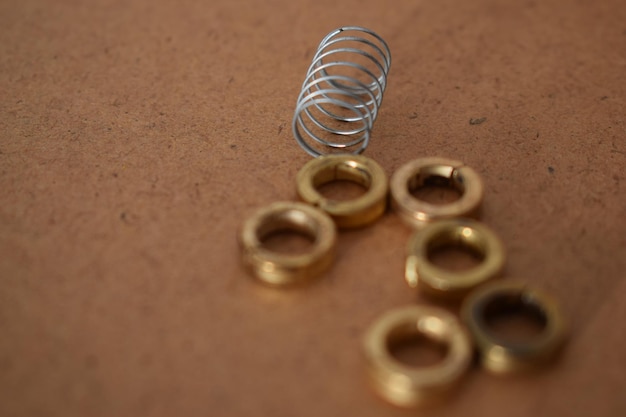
(135,137)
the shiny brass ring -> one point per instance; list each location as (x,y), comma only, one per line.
(421,273)
(355,168)
(282,269)
(419,172)
(502,356)
(408,386)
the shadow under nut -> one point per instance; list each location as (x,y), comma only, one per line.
(411,176)
(280,269)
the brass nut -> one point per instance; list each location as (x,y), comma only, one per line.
(421,273)
(416,173)
(408,386)
(359,169)
(503,356)
(284,269)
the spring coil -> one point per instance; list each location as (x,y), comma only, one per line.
(342,92)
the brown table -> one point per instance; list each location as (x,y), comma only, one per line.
(135,137)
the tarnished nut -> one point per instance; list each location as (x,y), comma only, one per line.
(359,169)
(433,280)
(408,386)
(417,173)
(499,354)
(284,269)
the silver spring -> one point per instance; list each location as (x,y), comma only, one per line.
(342,92)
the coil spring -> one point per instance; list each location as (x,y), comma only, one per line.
(342,92)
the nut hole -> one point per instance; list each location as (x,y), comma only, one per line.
(341,182)
(417,350)
(341,190)
(288,241)
(515,319)
(289,232)
(435,189)
(455,257)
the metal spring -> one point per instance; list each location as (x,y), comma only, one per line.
(342,92)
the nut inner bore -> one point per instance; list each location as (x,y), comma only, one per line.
(515,317)
(414,348)
(436,184)
(293,221)
(455,247)
(345,171)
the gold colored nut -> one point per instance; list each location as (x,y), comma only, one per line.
(501,355)
(283,269)
(417,173)
(421,273)
(408,386)
(355,168)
